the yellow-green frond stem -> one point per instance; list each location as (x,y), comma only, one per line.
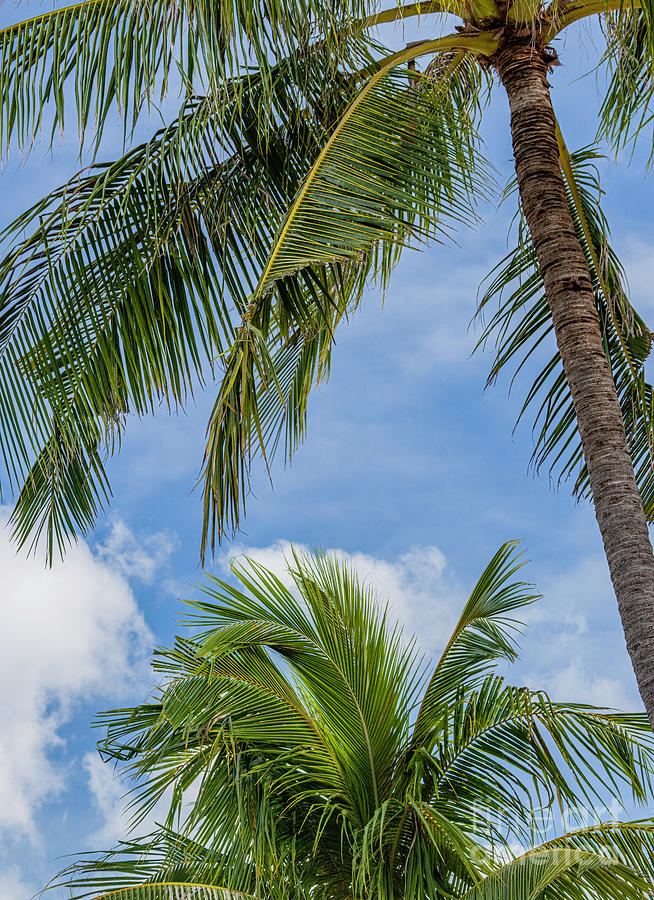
(479,9)
(350,169)
(582,9)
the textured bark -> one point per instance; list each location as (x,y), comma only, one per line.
(523,70)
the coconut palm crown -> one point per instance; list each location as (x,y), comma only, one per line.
(305,156)
(310,752)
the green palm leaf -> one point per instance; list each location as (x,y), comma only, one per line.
(123,54)
(483,634)
(113,51)
(626,108)
(509,751)
(185,219)
(401,164)
(265,392)
(629,843)
(137,338)
(174,891)
(232,675)
(163,857)
(285,732)
(559,873)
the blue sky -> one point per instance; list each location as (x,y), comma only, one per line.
(409,465)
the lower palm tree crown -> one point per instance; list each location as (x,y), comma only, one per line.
(304,749)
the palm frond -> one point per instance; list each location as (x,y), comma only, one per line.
(115,53)
(559,873)
(484,633)
(163,857)
(133,277)
(175,891)
(229,694)
(282,732)
(505,753)
(94,57)
(629,843)
(626,113)
(437,854)
(401,165)
(102,315)
(265,393)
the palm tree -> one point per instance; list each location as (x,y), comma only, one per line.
(305,156)
(324,758)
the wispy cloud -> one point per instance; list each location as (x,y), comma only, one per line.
(574,647)
(136,556)
(13,885)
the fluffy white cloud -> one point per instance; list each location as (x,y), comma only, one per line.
(142,557)
(68,634)
(13,886)
(109,795)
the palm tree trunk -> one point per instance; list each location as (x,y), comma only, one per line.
(522,67)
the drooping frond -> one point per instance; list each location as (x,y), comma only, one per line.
(629,843)
(523,322)
(265,392)
(626,111)
(175,891)
(165,856)
(402,164)
(101,315)
(484,634)
(504,754)
(133,277)
(88,59)
(104,53)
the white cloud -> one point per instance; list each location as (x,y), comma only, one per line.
(109,792)
(13,886)
(68,634)
(142,556)
(579,684)
(574,647)
(441,341)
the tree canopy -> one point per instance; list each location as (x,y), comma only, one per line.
(303,747)
(231,244)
